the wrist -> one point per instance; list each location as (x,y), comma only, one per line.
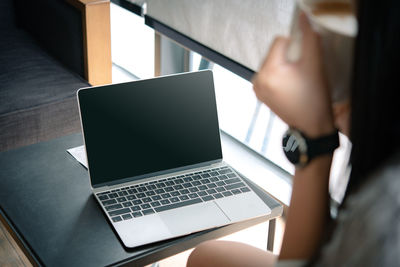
(319,130)
(301,149)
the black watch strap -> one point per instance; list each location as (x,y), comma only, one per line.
(322,145)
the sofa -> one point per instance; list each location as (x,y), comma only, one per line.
(48,50)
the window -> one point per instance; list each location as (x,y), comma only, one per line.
(241,115)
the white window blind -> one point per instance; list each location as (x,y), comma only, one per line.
(241,30)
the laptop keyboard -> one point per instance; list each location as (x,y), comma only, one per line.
(148,198)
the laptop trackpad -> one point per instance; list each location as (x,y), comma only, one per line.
(193,218)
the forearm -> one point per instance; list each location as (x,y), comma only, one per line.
(309,210)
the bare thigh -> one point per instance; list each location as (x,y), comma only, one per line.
(225,253)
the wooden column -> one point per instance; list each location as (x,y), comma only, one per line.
(96,39)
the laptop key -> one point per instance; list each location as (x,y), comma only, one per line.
(184,197)
(116,219)
(103,193)
(127,204)
(227,193)
(179,181)
(211,191)
(167,195)
(140,195)
(178,205)
(196,183)
(174,199)
(203,187)
(156,198)
(169,189)
(160,191)
(220,183)
(160,185)
(147,199)
(150,193)
(132,191)
(207,198)
(205,175)
(205,181)
(245,189)
(135,208)
(193,195)
(119,212)
(165,202)
(137,214)
(231,175)
(218,195)
(225,171)
(178,187)
(196,177)
(137,202)
(155,204)
(148,212)
(212,185)
(234,186)
(113,195)
(103,197)
(220,189)
(113,207)
(188,179)
(109,202)
(175,193)
(141,189)
(236,191)
(202,193)
(187,185)
(214,179)
(184,191)
(126,216)
(223,177)
(122,193)
(131,197)
(231,181)
(145,206)
(121,199)
(169,183)
(151,187)
(193,189)
(214,173)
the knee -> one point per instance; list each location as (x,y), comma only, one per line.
(201,255)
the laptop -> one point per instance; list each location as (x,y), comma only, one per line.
(155,161)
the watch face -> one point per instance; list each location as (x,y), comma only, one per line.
(290,146)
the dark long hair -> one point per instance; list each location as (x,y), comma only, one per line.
(375,118)
(375,97)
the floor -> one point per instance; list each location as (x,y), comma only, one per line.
(10,254)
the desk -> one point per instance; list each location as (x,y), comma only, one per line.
(46,201)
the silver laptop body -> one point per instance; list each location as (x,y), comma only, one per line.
(155,161)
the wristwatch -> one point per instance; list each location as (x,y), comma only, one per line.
(300,150)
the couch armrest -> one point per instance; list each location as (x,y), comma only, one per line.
(96,39)
(75,32)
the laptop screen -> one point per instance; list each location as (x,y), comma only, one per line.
(149,126)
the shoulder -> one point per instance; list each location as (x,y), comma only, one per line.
(368,231)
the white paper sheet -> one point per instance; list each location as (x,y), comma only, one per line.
(79,154)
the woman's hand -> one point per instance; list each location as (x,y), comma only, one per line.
(297,91)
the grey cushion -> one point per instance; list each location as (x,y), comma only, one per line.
(37,94)
(7,15)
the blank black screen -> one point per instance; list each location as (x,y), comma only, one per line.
(147,126)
